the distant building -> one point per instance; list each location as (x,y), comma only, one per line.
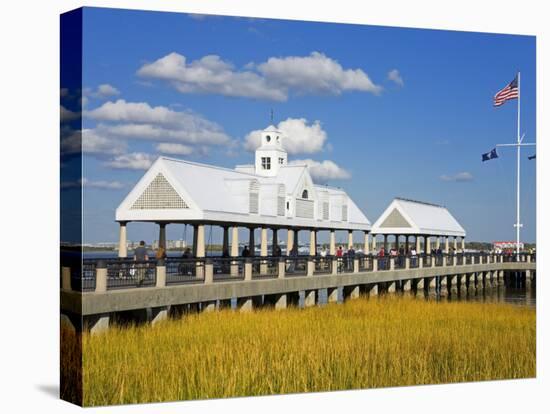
(506,245)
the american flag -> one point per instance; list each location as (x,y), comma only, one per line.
(510,91)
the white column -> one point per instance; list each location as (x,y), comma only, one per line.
(251,241)
(234,241)
(463,244)
(428,244)
(200,240)
(374,243)
(274,242)
(312,242)
(446,244)
(438,242)
(263,243)
(289,241)
(350,239)
(367,244)
(455,244)
(122,248)
(417,240)
(332,248)
(386,243)
(162,235)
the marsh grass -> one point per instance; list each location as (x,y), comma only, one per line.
(361,344)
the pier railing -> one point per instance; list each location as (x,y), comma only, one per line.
(110,274)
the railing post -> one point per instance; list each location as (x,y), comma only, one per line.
(374,263)
(355,265)
(529,258)
(208,272)
(161,273)
(248,269)
(66,278)
(392,262)
(334,265)
(310,265)
(407,262)
(454,260)
(433,260)
(101,276)
(282,266)
(420,262)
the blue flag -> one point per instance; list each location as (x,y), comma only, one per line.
(489,155)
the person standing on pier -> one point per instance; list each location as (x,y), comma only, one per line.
(141,256)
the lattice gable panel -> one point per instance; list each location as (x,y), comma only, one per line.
(159,195)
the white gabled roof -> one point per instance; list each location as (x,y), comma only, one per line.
(178,190)
(404,216)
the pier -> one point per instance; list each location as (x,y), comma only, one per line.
(123,289)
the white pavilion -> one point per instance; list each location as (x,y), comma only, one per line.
(271,194)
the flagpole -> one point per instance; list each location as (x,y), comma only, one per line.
(518,224)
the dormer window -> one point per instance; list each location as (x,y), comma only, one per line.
(277,138)
(281,161)
(266,163)
(268,138)
(304,194)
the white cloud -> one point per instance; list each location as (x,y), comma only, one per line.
(132,161)
(299,136)
(142,121)
(104,185)
(315,73)
(459,177)
(274,79)
(395,77)
(173,148)
(323,171)
(67,115)
(89,142)
(105,90)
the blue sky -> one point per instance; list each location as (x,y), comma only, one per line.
(400,112)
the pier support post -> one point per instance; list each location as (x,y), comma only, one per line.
(155,315)
(406,285)
(208,272)
(248,269)
(282,268)
(310,266)
(244,304)
(97,323)
(281,301)
(351,292)
(122,243)
(391,287)
(209,306)
(419,287)
(101,276)
(332,295)
(372,290)
(161,273)
(309,298)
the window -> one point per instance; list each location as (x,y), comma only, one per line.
(266,163)
(304,194)
(281,161)
(268,138)
(287,205)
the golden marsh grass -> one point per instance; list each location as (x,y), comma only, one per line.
(361,344)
